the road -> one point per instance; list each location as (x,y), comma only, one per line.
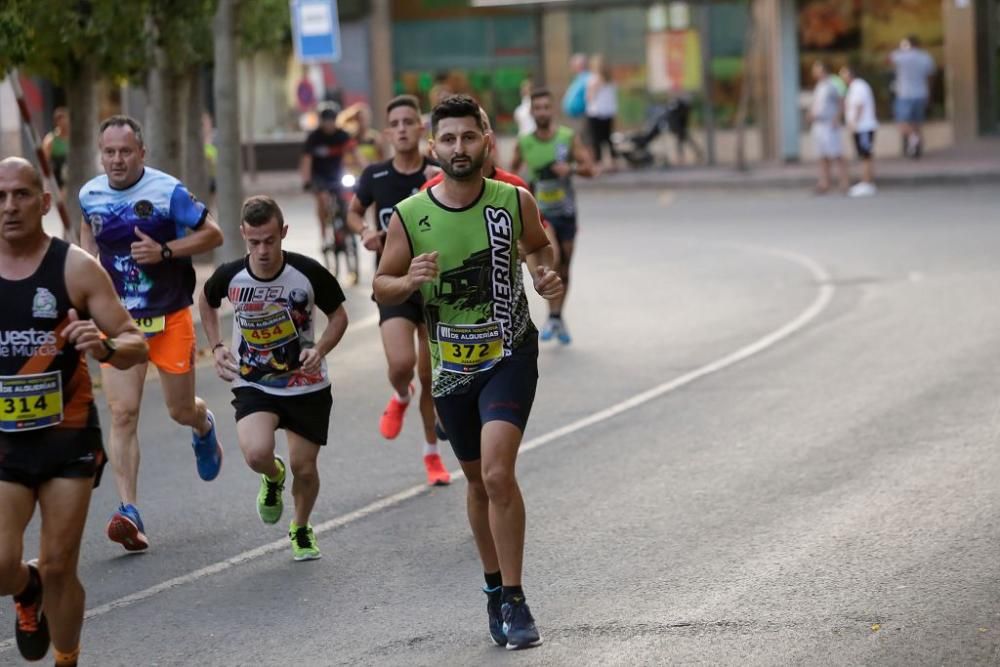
(773,441)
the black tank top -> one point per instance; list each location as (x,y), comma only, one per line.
(37,365)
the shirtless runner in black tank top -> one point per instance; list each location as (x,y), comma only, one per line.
(50,441)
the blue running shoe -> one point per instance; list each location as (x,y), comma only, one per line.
(497,634)
(125,528)
(519,625)
(549,330)
(207,451)
(562,333)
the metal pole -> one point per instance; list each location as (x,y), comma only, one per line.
(707,108)
(36,145)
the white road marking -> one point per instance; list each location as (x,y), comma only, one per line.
(822,300)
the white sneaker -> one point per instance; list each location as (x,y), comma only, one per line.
(862,189)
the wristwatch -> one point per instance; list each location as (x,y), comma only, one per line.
(110,346)
(165,251)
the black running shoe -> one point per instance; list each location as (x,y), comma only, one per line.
(519,625)
(31,629)
(496,618)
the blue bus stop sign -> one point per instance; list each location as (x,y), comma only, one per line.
(315,30)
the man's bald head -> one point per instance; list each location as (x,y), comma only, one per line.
(19,164)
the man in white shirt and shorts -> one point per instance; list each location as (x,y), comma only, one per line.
(859,115)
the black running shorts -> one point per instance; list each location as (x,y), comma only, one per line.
(412,309)
(35,457)
(504,393)
(564,226)
(307,415)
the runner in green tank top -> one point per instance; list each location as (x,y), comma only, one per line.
(552,154)
(458,244)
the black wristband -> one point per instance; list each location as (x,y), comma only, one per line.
(218,345)
(110,347)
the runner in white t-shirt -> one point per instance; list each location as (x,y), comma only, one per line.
(859,114)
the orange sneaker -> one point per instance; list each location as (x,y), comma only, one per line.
(392,419)
(437,474)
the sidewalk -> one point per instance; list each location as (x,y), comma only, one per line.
(974,163)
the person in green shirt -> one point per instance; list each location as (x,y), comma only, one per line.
(457,242)
(552,154)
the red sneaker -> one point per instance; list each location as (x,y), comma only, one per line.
(437,474)
(392,419)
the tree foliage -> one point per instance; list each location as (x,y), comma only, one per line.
(50,38)
(265,26)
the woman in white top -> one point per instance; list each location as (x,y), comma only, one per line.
(602,107)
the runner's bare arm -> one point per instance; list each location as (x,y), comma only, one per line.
(91,292)
(305,168)
(312,357)
(87,241)
(201,239)
(400,274)
(584,160)
(225,364)
(539,252)
(210,321)
(335,328)
(517,161)
(533,239)
(356,215)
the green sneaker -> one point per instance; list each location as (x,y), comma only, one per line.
(303,539)
(269,504)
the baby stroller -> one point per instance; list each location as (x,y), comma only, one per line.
(673,117)
(635,146)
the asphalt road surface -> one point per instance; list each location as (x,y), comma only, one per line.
(775,440)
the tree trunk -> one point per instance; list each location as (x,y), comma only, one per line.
(164,115)
(195,172)
(229,170)
(249,134)
(81,97)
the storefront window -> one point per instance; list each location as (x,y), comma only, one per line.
(863,33)
(486,57)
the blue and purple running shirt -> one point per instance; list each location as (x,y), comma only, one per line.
(162,208)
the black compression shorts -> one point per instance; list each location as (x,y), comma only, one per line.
(503,393)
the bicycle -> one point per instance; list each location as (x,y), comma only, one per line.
(337,238)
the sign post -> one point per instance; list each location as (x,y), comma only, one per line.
(315,30)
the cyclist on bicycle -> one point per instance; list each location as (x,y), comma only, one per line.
(322,167)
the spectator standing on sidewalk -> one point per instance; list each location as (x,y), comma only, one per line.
(913,67)
(824,115)
(602,107)
(859,116)
(574,101)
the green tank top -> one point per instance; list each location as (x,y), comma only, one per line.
(476,309)
(60,147)
(555,195)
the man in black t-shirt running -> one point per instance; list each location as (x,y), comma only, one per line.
(384,185)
